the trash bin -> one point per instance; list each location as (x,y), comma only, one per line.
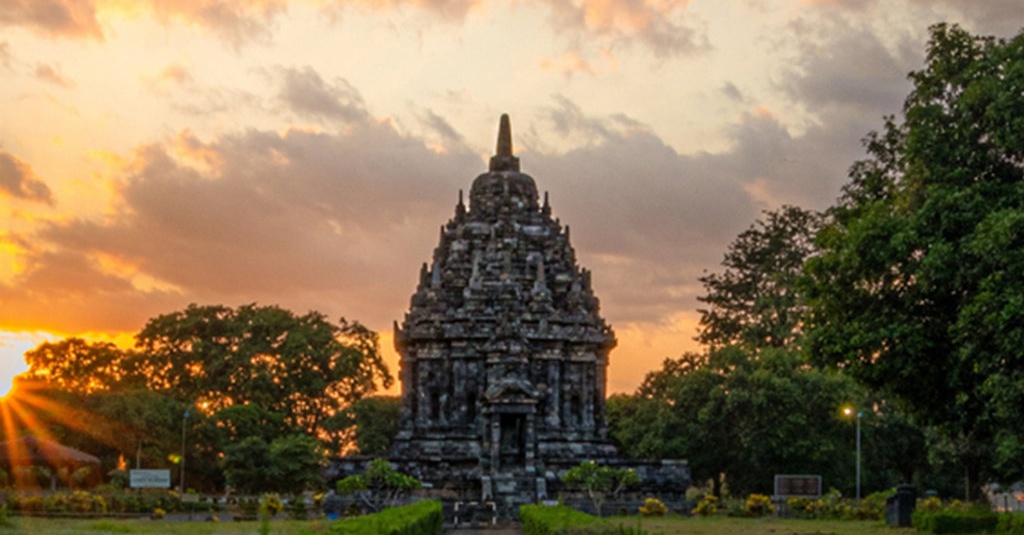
(899,509)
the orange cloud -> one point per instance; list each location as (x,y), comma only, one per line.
(56,18)
(573,62)
(605,15)
(17,180)
(569,63)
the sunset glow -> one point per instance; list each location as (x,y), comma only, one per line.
(304,153)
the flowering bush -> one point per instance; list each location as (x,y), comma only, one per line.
(272,504)
(653,507)
(707,506)
(759,505)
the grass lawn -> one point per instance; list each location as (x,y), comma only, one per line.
(58,526)
(720,525)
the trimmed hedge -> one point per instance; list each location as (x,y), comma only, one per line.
(955,521)
(1010,524)
(563,520)
(420,518)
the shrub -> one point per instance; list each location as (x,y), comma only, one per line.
(653,507)
(759,505)
(1010,524)
(272,504)
(707,506)
(563,520)
(420,518)
(950,521)
(799,507)
(872,507)
(297,509)
(932,503)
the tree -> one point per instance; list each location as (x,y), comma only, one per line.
(599,481)
(296,462)
(246,465)
(917,291)
(76,364)
(247,372)
(376,422)
(755,302)
(380,486)
(747,419)
(288,464)
(302,367)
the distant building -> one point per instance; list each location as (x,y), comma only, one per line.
(504,353)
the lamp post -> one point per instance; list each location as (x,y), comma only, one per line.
(184,420)
(849,411)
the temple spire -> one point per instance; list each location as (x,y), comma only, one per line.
(503,159)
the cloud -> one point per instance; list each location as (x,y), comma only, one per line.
(660,25)
(568,63)
(56,18)
(17,180)
(52,75)
(237,21)
(647,219)
(5,54)
(307,95)
(851,67)
(992,17)
(450,137)
(332,222)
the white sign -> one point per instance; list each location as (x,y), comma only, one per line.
(149,479)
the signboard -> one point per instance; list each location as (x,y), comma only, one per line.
(798,486)
(149,479)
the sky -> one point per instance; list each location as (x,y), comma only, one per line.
(304,153)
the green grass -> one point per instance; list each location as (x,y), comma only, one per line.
(674,525)
(59,526)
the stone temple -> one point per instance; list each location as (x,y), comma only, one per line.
(504,353)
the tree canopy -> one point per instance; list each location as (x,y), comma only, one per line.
(755,301)
(919,288)
(254,379)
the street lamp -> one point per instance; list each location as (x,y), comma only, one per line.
(849,412)
(184,421)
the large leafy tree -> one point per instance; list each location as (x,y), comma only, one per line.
(755,301)
(302,367)
(747,419)
(248,372)
(918,289)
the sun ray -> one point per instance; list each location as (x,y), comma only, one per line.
(27,414)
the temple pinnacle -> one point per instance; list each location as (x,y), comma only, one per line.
(503,159)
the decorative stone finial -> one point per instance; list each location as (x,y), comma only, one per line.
(503,159)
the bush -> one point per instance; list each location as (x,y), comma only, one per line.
(1010,524)
(297,509)
(872,507)
(759,505)
(950,521)
(420,518)
(707,507)
(272,503)
(653,507)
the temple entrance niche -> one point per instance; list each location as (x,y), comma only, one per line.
(512,443)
